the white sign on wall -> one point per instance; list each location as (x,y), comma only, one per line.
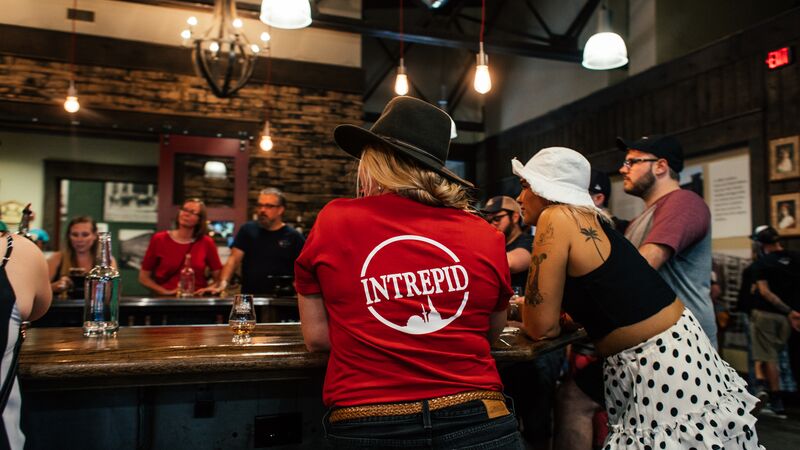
(729,197)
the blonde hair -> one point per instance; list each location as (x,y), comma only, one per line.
(382,170)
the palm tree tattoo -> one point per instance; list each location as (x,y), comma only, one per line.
(535,297)
(591,234)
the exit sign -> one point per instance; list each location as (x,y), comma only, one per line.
(779,58)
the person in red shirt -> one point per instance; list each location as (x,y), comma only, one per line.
(167,250)
(407,289)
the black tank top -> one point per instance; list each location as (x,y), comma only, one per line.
(622,291)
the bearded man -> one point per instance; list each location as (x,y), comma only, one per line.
(503,213)
(674,232)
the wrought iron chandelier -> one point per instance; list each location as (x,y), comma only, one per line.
(222,55)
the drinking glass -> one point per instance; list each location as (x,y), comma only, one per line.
(514,312)
(242,319)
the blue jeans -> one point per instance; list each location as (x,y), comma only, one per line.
(461,426)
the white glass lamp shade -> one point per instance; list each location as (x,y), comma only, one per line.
(604,51)
(215,170)
(287,14)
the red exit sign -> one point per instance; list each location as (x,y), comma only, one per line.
(779,58)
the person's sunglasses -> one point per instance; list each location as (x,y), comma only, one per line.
(628,163)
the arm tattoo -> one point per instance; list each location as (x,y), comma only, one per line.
(591,234)
(533,296)
(545,236)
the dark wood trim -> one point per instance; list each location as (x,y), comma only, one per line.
(119,53)
(230,148)
(57,170)
(134,125)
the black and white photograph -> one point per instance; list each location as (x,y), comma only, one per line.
(130,202)
(133,245)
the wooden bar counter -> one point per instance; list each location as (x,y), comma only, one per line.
(59,358)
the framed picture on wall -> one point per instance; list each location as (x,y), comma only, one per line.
(130,202)
(784,159)
(784,213)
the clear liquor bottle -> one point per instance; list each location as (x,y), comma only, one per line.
(186,280)
(101,299)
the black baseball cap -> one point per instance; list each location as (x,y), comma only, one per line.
(666,147)
(600,183)
(765,234)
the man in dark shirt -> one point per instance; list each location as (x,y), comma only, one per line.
(266,248)
(504,214)
(776,274)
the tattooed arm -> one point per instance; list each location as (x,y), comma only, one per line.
(547,274)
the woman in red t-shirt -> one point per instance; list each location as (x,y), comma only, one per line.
(406,289)
(164,258)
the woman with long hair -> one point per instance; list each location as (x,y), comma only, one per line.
(78,251)
(168,249)
(665,384)
(406,288)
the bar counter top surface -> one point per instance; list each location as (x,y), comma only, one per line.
(176,301)
(162,355)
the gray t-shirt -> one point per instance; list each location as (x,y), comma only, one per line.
(681,220)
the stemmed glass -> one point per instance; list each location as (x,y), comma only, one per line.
(242,319)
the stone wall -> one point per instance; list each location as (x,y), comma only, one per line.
(305,162)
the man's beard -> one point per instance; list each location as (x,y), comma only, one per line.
(643,185)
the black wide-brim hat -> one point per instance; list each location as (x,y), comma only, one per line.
(413,128)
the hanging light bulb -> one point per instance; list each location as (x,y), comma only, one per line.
(191,21)
(605,50)
(483,81)
(237,23)
(71,105)
(401,82)
(266,140)
(265,37)
(288,14)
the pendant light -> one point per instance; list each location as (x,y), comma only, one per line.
(71,104)
(605,50)
(483,81)
(215,170)
(401,82)
(266,138)
(287,14)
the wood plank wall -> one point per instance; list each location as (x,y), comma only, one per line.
(714,99)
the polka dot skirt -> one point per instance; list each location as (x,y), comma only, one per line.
(673,391)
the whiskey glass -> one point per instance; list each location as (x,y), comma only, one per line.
(242,319)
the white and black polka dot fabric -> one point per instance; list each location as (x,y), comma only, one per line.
(673,391)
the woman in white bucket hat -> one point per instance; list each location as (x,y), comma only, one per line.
(665,384)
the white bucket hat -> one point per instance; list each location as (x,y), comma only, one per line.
(558,174)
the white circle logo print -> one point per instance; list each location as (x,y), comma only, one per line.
(410,296)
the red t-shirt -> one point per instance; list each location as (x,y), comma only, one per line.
(681,218)
(408,289)
(164,258)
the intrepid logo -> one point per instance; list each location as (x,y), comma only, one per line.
(418,286)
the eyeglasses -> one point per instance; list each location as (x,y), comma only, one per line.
(628,163)
(497,218)
(189,211)
(267,205)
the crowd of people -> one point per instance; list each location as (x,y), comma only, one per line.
(408,285)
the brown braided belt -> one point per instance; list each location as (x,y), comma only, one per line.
(399,409)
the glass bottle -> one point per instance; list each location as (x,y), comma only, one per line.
(101,298)
(25,223)
(186,280)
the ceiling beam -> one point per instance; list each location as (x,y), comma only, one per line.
(557,52)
